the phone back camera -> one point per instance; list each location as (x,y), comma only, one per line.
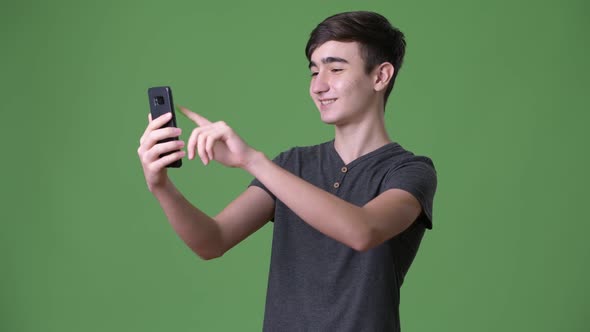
(158,100)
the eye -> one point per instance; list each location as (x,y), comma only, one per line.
(335,70)
(314,74)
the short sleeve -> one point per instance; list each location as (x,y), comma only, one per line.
(255,182)
(418,177)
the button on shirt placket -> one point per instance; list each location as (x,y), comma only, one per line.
(340,178)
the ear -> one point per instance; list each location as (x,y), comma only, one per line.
(383,75)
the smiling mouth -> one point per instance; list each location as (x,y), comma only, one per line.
(327,101)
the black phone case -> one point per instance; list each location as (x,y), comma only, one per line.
(161,102)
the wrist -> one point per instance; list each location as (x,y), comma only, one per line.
(161,188)
(256,159)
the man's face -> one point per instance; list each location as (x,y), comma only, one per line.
(341,89)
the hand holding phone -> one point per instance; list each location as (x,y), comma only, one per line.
(161,102)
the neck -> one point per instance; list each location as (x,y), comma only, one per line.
(354,140)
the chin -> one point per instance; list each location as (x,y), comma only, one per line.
(333,117)
(328,118)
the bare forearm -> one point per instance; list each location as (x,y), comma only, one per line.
(325,212)
(199,231)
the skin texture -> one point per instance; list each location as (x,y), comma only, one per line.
(357,116)
(337,73)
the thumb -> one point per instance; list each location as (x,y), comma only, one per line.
(199,120)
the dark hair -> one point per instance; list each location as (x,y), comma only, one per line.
(379,40)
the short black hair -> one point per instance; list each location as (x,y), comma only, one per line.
(379,40)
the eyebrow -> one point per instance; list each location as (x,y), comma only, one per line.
(327,60)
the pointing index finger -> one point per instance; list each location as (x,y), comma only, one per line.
(198,119)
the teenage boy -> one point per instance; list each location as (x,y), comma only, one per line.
(349,214)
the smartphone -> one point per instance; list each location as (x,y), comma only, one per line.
(161,103)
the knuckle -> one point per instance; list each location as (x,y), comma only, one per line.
(152,168)
(155,149)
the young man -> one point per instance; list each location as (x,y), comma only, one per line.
(349,214)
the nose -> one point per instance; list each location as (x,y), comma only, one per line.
(319,84)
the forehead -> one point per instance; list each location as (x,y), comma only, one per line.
(350,51)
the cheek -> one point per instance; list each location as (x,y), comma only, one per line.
(353,87)
(345,87)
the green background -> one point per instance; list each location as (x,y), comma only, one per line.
(495,92)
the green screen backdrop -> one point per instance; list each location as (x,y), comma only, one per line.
(495,92)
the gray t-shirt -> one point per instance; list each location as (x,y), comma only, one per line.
(319,284)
